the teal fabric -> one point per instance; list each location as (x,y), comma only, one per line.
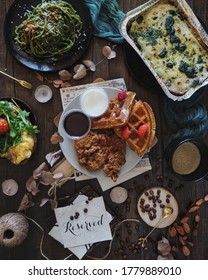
(106,16)
(186,119)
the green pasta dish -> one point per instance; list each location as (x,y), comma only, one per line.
(50,29)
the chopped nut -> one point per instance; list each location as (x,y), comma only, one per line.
(186,251)
(193,208)
(172,231)
(180,230)
(199,202)
(184,219)
(197,218)
(186,228)
(181,240)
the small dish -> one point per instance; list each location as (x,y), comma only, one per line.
(151,204)
(94,102)
(18,12)
(187,159)
(43,93)
(75,124)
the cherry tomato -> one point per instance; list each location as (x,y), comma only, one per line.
(4,126)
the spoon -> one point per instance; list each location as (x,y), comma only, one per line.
(166,212)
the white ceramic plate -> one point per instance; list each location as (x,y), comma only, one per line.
(67,146)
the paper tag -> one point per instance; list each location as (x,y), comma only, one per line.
(83,223)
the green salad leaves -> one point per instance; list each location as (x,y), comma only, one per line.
(18,122)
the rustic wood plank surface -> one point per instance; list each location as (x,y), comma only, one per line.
(124,245)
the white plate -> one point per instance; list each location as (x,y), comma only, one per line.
(67,146)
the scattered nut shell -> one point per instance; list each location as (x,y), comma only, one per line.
(80,71)
(106,51)
(66,84)
(199,201)
(112,55)
(89,64)
(9,187)
(186,251)
(40,77)
(56,138)
(186,228)
(197,218)
(98,80)
(184,220)
(118,194)
(180,230)
(193,209)
(65,75)
(206,197)
(57,119)
(172,231)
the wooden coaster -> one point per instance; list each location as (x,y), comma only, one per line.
(150,206)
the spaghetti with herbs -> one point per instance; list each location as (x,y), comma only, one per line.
(50,29)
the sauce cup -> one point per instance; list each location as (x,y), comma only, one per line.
(187,159)
(75,124)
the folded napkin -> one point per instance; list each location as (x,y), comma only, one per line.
(106,17)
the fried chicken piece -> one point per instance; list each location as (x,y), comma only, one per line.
(116,157)
(92,150)
(102,150)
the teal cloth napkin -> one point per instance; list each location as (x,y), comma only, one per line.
(106,16)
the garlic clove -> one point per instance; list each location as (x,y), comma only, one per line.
(9,187)
(118,194)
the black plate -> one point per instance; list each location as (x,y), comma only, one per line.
(17,13)
(23,106)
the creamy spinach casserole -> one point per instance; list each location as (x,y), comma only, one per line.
(171,45)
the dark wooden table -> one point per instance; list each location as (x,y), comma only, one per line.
(124,245)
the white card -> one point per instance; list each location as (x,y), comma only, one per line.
(91,225)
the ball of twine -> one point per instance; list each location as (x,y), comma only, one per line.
(13,229)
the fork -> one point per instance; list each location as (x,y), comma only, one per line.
(21,82)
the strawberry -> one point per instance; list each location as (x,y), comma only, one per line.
(142,130)
(121,95)
(125,132)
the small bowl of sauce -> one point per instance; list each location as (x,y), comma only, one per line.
(94,102)
(187,158)
(76,124)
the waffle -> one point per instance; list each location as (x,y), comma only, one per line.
(140,114)
(117,114)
